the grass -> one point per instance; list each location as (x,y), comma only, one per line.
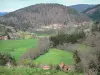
(32,71)
(42,34)
(83,47)
(45,34)
(17,47)
(55,56)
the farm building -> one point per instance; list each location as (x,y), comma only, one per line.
(3,37)
(46,67)
(65,67)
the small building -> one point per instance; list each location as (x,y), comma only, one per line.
(65,67)
(3,37)
(46,67)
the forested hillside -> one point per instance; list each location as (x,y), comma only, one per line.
(43,16)
(81,7)
(93,12)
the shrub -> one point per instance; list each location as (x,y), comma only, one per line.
(5,58)
(92,65)
(26,62)
(96,26)
(77,62)
(98,62)
(76,57)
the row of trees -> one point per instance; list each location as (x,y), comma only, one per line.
(66,38)
(88,61)
(90,65)
(33,53)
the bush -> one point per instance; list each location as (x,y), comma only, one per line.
(76,57)
(96,26)
(77,62)
(98,62)
(5,58)
(92,65)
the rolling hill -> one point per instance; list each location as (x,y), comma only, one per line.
(93,12)
(41,17)
(81,7)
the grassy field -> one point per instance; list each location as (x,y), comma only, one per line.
(55,56)
(17,47)
(32,71)
(45,34)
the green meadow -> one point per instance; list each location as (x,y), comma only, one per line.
(17,47)
(55,56)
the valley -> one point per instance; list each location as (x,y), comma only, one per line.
(50,39)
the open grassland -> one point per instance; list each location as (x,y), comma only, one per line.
(17,47)
(55,56)
(32,71)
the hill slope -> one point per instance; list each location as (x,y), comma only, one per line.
(81,7)
(93,12)
(40,16)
